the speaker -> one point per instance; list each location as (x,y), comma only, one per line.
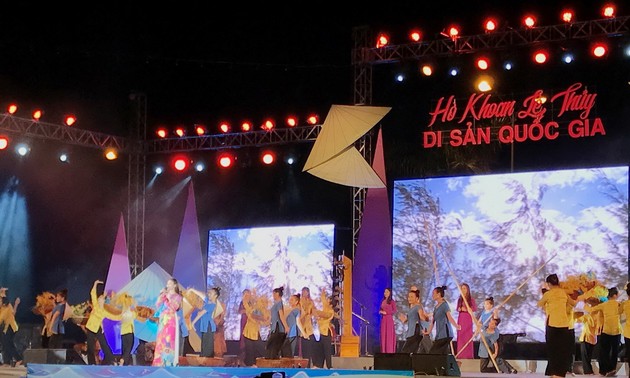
(435,364)
(392,361)
(45,356)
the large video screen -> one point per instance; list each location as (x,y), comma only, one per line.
(503,234)
(264,258)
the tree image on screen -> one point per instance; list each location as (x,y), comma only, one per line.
(503,234)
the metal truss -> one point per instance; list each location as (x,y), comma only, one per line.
(612,27)
(42,130)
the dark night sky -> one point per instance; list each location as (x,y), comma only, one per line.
(199,65)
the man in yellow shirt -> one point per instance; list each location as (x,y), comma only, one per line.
(611,333)
(94,327)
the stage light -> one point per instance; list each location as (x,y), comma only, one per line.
(540,56)
(490,25)
(70,120)
(627,51)
(180,164)
(225,160)
(200,129)
(400,78)
(292,121)
(312,119)
(427,70)
(161,132)
(268,125)
(4,142)
(599,50)
(567,58)
(608,11)
(199,167)
(63,158)
(12,109)
(415,35)
(567,16)
(454,71)
(453,32)
(483,63)
(484,83)
(382,40)
(37,114)
(180,132)
(529,21)
(225,127)
(111,154)
(508,66)
(268,157)
(159,170)
(290,160)
(22,149)
(541,99)
(246,126)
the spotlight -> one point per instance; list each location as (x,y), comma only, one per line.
(567,16)
(180,164)
(225,160)
(159,170)
(180,132)
(63,158)
(199,167)
(627,50)
(200,129)
(454,71)
(268,157)
(415,35)
(453,32)
(246,126)
(37,114)
(161,132)
(484,83)
(382,40)
(12,108)
(312,119)
(292,121)
(400,78)
(290,160)
(507,66)
(427,70)
(599,50)
(490,25)
(268,125)
(22,149)
(70,120)
(567,58)
(483,63)
(608,11)
(4,142)
(529,21)
(111,154)
(540,56)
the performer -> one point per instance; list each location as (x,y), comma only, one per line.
(488,312)
(465,322)
(591,323)
(207,327)
(413,317)
(127,317)
(625,310)
(388,330)
(56,328)
(307,339)
(7,318)
(94,328)
(293,323)
(491,335)
(44,304)
(257,315)
(554,301)
(183,330)
(166,343)
(278,325)
(241,310)
(322,351)
(441,319)
(610,337)
(220,347)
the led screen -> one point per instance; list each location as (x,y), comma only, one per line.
(503,234)
(264,258)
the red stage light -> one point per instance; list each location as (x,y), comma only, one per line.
(4,142)
(70,120)
(291,121)
(415,35)
(529,21)
(567,16)
(599,50)
(200,129)
(490,25)
(246,126)
(268,157)
(609,11)
(312,119)
(37,114)
(225,160)
(180,131)
(483,63)
(224,127)
(541,56)
(180,164)
(12,109)
(382,40)
(268,125)
(161,132)
(453,31)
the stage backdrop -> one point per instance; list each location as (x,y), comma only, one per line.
(264,258)
(494,231)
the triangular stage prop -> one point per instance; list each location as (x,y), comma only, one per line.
(189,269)
(119,273)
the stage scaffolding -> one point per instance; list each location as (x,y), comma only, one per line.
(363,57)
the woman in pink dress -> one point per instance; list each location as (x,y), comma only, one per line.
(388,331)
(167,341)
(465,322)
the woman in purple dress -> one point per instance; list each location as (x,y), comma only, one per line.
(465,322)
(388,332)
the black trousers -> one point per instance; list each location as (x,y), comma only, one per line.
(558,341)
(411,344)
(322,352)
(307,348)
(207,344)
(441,346)
(55,341)
(9,351)
(92,337)
(251,351)
(275,343)
(586,353)
(608,351)
(127,345)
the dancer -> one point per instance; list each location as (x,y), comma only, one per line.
(294,326)
(207,326)
(608,340)
(554,301)
(166,343)
(94,327)
(307,339)
(220,347)
(256,312)
(388,330)
(7,317)
(465,322)
(591,323)
(488,312)
(413,317)
(278,325)
(56,328)
(127,332)
(625,310)
(441,319)
(323,351)
(491,335)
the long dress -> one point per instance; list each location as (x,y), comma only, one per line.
(388,331)
(465,321)
(167,341)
